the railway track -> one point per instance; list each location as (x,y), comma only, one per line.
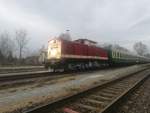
(23,75)
(28,78)
(6,77)
(98,99)
(6,70)
(36,74)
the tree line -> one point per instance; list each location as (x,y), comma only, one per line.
(141,49)
(12,47)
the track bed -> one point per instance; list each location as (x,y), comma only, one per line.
(27,97)
(101,99)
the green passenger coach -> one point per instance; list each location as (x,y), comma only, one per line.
(121,58)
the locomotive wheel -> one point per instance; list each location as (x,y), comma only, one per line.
(83,67)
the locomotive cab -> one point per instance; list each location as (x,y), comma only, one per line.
(54,49)
(53,53)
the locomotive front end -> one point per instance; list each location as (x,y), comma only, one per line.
(54,49)
(53,53)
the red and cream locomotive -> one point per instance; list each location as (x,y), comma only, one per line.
(81,53)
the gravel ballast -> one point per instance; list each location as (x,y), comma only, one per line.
(28,96)
(138,101)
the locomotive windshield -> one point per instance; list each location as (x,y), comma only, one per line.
(54,49)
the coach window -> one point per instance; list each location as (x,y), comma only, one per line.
(119,55)
(112,54)
(123,56)
(116,54)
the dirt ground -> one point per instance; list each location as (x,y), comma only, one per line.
(22,98)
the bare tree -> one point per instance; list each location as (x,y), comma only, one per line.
(6,44)
(7,48)
(21,41)
(140,48)
(115,47)
(148,55)
(107,46)
(42,54)
(120,48)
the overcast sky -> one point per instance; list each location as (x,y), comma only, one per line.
(121,22)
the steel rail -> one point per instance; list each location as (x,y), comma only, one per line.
(29,75)
(7,70)
(60,104)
